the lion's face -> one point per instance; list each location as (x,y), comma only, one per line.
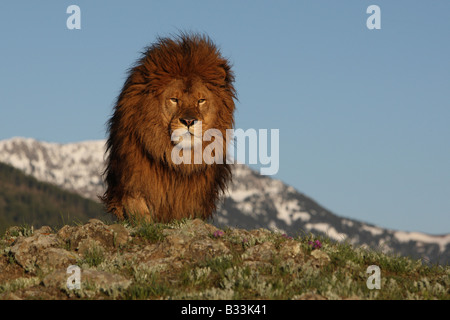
(182,114)
(189,109)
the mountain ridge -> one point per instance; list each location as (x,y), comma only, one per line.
(252,201)
(25,200)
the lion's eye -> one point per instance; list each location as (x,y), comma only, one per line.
(174,100)
(201,101)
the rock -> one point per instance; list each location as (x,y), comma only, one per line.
(45,230)
(260,252)
(159,264)
(291,249)
(32,252)
(55,258)
(199,228)
(320,258)
(177,244)
(148,252)
(260,235)
(121,234)
(192,241)
(207,248)
(93,231)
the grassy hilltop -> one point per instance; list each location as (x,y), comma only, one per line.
(191,259)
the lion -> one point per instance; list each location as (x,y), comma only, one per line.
(180,84)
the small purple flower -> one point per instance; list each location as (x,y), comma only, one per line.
(284,235)
(316,244)
(218,234)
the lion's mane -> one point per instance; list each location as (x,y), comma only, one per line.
(140,177)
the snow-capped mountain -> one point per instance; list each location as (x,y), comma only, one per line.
(74,166)
(252,201)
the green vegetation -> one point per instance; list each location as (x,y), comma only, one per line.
(93,257)
(26,201)
(151,232)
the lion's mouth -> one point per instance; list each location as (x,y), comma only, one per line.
(185,138)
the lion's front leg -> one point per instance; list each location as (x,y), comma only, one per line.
(136,209)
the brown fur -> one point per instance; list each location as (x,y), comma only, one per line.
(140,176)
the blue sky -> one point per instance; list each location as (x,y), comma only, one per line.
(363,114)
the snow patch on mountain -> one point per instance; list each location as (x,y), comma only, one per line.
(373,230)
(442,241)
(325,228)
(289,211)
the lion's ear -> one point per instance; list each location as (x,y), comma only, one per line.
(223,73)
(226,73)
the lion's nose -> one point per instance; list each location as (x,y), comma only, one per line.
(188,121)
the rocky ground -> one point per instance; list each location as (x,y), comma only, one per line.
(195,260)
